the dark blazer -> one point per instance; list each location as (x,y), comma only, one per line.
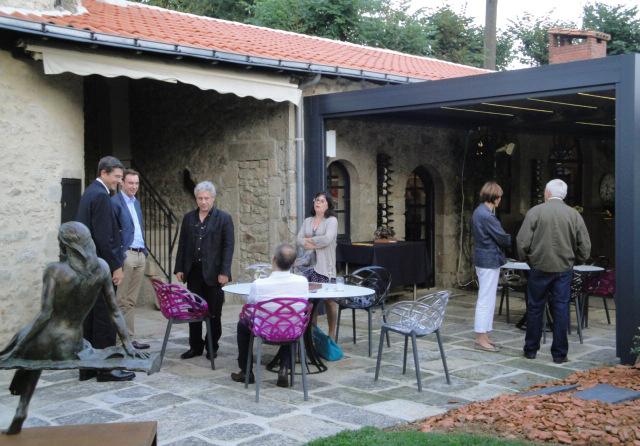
(125,222)
(218,240)
(489,239)
(96,212)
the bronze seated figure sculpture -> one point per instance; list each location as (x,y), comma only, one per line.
(53,340)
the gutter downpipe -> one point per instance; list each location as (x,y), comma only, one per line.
(299,141)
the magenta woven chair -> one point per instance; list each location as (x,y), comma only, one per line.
(278,321)
(600,285)
(181,306)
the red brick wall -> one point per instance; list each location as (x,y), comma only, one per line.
(590,49)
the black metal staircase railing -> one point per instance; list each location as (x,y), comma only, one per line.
(161,225)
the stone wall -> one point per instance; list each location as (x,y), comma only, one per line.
(245,146)
(410,146)
(41,123)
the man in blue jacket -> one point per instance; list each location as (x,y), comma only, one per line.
(129,215)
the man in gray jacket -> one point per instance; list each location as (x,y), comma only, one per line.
(553,237)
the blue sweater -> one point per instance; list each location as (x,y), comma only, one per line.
(489,239)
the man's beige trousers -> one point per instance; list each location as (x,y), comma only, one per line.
(129,289)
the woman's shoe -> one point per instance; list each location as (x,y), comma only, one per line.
(492,348)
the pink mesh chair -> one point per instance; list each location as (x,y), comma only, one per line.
(278,321)
(600,285)
(181,306)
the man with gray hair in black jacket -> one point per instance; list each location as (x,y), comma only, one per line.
(553,237)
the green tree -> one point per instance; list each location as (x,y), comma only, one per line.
(531,35)
(392,27)
(236,10)
(334,19)
(622,23)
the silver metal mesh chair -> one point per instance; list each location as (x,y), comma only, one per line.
(414,319)
(257,271)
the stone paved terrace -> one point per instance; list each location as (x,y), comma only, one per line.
(197,406)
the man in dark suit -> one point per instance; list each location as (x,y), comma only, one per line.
(129,215)
(205,251)
(96,212)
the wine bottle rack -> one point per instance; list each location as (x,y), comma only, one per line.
(385,185)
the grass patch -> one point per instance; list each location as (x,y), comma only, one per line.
(373,436)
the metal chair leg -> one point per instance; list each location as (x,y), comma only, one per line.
(353,321)
(444,359)
(579,318)
(606,309)
(416,360)
(304,373)
(258,368)
(384,320)
(292,349)
(404,357)
(382,331)
(508,314)
(338,323)
(249,367)
(164,342)
(207,321)
(501,300)
(369,329)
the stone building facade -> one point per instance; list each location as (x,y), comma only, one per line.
(41,123)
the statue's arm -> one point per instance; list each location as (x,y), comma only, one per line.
(117,318)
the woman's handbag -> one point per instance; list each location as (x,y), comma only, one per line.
(325,346)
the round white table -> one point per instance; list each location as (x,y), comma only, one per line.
(583,303)
(327,291)
(523,266)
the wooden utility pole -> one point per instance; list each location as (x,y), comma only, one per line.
(490,19)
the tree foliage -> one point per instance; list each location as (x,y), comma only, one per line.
(623,24)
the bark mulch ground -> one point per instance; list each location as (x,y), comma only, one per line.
(557,418)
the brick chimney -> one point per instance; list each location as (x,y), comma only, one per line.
(567,45)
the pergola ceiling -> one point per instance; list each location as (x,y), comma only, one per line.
(590,112)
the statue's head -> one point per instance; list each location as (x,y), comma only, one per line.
(75,238)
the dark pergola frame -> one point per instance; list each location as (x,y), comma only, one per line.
(618,73)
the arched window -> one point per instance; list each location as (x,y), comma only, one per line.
(338,185)
(419,216)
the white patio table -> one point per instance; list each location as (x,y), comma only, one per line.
(326,291)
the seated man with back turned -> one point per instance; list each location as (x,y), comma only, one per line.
(281,283)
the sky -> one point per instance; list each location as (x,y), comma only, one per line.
(510,9)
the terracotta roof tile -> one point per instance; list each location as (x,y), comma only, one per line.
(134,20)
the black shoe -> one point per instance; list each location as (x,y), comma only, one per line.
(529,355)
(87,374)
(274,363)
(240,377)
(283,377)
(191,353)
(215,355)
(140,345)
(560,359)
(115,375)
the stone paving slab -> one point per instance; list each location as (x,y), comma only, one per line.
(197,406)
(355,415)
(407,410)
(308,426)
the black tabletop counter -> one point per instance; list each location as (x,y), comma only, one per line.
(406,261)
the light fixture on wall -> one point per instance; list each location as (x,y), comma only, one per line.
(330,143)
(507,149)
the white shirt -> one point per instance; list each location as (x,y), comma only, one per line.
(105,186)
(278,284)
(138,241)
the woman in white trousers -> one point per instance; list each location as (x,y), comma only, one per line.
(489,241)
